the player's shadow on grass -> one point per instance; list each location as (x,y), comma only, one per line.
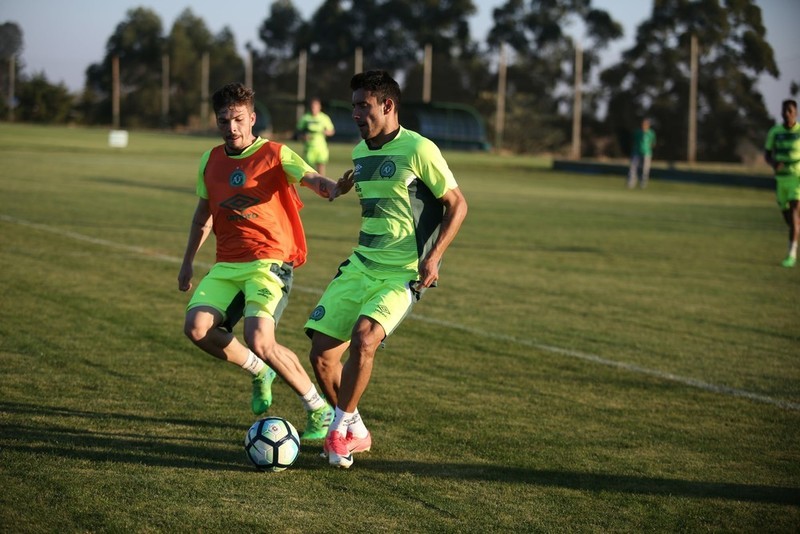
(60,434)
(593,482)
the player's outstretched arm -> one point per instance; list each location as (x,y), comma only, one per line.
(321,185)
(327,188)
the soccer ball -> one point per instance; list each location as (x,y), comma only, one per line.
(272,444)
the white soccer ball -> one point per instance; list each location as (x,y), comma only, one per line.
(272,444)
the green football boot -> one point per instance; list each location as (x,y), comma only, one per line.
(262,391)
(318,422)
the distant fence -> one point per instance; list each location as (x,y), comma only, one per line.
(449,125)
(670,174)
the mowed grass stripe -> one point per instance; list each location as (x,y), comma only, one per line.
(592,358)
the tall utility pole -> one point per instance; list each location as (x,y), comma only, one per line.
(204,75)
(426,73)
(302,65)
(577,106)
(500,116)
(12,76)
(115,92)
(359,60)
(164,90)
(692,143)
(248,69)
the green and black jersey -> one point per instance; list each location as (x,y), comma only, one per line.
(784,143)
(399,187)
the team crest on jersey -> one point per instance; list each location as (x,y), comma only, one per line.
(318,313)
(237,178)
(388,168)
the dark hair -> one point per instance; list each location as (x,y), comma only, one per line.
(379,83)
(233,94)
(789,102)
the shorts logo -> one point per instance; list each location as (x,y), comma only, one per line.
(237,178)
(388,168)
(382,309)
(318,313)
(264,292)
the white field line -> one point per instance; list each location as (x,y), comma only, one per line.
(592,358)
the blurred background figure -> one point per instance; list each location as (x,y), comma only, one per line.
(644,139)
(782,152)
(314,128)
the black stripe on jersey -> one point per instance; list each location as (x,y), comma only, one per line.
(428,212)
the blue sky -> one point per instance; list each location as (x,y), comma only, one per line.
(63,37)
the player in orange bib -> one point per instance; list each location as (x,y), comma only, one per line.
(247,196)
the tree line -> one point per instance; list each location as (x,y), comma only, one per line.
(650,79)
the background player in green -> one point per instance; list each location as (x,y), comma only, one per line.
(644,139)
(411,210)
(313,128)
(782,152)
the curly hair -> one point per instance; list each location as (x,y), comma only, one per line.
(233,94)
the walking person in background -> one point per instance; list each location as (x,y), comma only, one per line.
(411,210)
(314,128)
(247,197)
(644,139)
(782,152)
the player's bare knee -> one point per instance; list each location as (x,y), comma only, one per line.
(195,330)
(363,347)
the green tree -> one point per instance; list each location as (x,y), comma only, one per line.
(275,67)
(540,78)
(188,41)
(459,70)
(139,44)
(653,77)
(391,34)
(42,102)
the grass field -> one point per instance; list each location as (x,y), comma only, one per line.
(595,359)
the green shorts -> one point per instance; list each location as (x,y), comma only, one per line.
(258,288)
(317,155)
(787,189)
(353,293)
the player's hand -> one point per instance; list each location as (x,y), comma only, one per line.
(185,278)
(343,185)
(428,273)
(326,188)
